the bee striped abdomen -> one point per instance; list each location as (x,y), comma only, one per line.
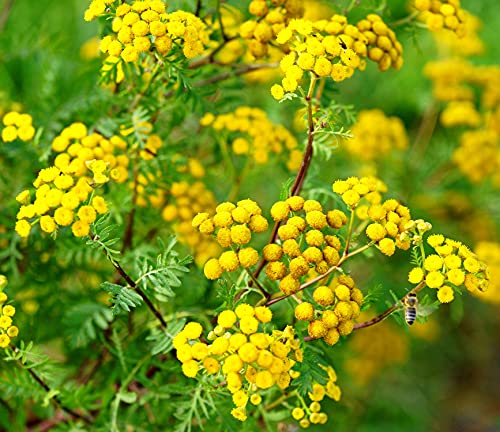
(410,315)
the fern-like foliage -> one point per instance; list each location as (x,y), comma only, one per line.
(196,408)
(164,274)
(103,238)
(416,256)
(123,298)
(82,323)
(162,339)
(310,373)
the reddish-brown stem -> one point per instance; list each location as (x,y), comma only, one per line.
(388,311)
(129,230)
(139,290)
(322,276)
(42,384)
(4,14)
(304,166)
(241,71)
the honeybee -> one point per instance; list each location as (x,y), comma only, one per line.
(410,302)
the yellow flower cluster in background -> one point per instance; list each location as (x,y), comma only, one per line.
(241,354)
(310,412)
(467,44)
(17,126)
(144,25)
(451,266)
(8,330)
(253,134)
(334,48)
(439,15)
(270,18)
(185,200)
(489,253)
(333,310)
(232,225)
(375,135)
(374,349)
(472,97)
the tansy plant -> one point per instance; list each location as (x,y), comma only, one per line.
(192,247)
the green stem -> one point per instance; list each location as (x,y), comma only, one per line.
(280,400)
(405,20)
(349,233)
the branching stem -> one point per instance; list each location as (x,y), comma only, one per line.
(388,311)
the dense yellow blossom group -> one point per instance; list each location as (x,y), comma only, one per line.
(8,330)
(451,266)
(332,311)
(65,192)
(253,133)
(334,48)
(307,240)
(446,14)
(374,135)
(232,225)
(145,27)
(270,17)
(17,126)
(240,355)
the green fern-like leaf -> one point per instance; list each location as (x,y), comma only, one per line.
(162,340)
(82,323)
(310,373)
(123,298)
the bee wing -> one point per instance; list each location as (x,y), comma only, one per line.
(425,311)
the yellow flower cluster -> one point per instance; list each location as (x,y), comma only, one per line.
(59,201)
(333,310)
(375,135)
(253,134)
(452,265)
(308,414)
(17,126)
(374,349)
(185,200)
(62,189)
(439,15)
(468,43)
(77,147)
(232,226)
(456,82)
(335,48)
(478,156)
(145,27)
(7,329)
(240,354)
(489,253)
(306,241)
(388,217)
(270,18)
